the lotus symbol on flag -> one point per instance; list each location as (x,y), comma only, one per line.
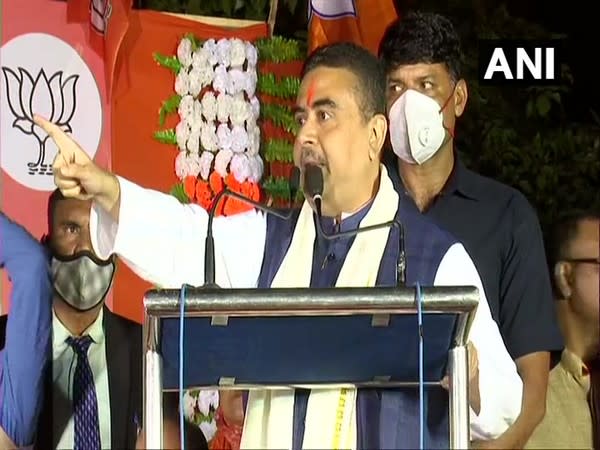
(53,98)
(331,9)
(99,14)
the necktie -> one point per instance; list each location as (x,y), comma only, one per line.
(85,404)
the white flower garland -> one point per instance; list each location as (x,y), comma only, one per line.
(217,131)
(202,404)
(218,128)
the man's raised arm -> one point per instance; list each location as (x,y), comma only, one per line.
(162,240)
(28,333)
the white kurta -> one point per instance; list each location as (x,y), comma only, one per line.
(163,242)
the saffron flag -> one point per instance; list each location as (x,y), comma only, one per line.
(105,25)
(360,21)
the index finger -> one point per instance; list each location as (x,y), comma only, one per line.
(54,131)
(46,125)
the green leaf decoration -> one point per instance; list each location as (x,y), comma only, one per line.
(195,41)
(166,136)
(178,192)
(278,150)
(168,62)
(168,107)
(278,49)
(278,188)
(285,87)
(280,115)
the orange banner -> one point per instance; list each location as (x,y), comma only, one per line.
(360,21)
(139,88)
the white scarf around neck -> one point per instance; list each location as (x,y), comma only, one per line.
(331,412)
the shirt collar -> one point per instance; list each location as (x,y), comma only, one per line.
(349,221)
(576,367)
(461,180)
(61,334)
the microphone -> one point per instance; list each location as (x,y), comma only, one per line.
(313,187)
(209,248)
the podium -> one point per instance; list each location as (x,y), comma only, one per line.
(308,338)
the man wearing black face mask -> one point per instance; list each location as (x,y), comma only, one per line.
(96,365)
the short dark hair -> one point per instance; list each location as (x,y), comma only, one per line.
(370,86)
(561,235)
(565,231)
(54,198)
(422,37)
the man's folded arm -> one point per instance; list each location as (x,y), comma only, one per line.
(163,240)
(500,386)
(28,332)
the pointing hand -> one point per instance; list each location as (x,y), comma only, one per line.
(75,174)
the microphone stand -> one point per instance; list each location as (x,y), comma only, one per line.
(209,249)
(313,181)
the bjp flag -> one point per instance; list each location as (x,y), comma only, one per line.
(105,23)
(360,21)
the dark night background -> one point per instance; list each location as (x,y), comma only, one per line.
(578,22)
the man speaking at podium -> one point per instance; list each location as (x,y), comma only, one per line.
(340,110)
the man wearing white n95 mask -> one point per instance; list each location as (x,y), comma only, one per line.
(417,128)
(426,94)
(340,110)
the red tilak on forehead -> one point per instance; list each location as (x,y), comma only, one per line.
(310,93)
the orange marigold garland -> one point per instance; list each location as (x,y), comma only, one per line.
(204,192)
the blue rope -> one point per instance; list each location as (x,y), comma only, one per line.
(421,381)
(181,329)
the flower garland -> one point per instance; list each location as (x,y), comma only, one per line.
(219,139)
(199,407)
(220,142)
(217,135)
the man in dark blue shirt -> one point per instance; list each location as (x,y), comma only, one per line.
(495,223)
(25,338)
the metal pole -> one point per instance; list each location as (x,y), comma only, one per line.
(153,414)
(459,398)
(153,386)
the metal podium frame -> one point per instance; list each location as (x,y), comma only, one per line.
(377,301)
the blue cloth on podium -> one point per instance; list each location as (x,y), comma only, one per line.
(386,418)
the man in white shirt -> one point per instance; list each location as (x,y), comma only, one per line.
(341,112)
(95,398)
